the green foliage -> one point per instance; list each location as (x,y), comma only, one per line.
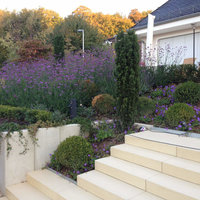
(103,104)
(10,127)
(127,76)
(86,112)
(164,101)
(179,112)
(33,49)
(188,92)
(3,53)
(74,152)
(73,39)
(147,79)
(165,75)
(59,47)
(157,93)
(88,91)
(19,113)
(104,131)
(86,125)
(145,106)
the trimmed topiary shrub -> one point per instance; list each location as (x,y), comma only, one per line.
(103,104)
(188,92)
(73,153)
(145,106)
(127,75)
(179,112)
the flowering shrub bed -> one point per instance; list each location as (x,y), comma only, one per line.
(52,84)
(164,97)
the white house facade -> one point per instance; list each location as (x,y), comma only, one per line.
(175,34)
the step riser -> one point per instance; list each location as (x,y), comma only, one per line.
(140,160)
(99,192)
(121,175)
(166,193)
(42,188)
(151,145)
(181,173)
(165,168)
(186,153)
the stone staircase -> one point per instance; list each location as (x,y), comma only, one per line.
(149,166)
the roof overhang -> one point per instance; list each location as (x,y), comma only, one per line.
(171,26)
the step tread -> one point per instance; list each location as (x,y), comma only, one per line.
(121,189)
(150,175)
(161,157)
(166,138)
(64,188)
(24,191)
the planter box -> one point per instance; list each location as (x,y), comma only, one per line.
(15,166)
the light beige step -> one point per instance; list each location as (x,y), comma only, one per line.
(3,198)
(24,191)
(180,146)
(174,166)
(171,188)
(57,187)
(148,179)
(130,173)
(109,188)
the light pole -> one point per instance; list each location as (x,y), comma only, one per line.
(194,32)
(83,38)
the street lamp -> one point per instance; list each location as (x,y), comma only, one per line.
(194,32)
(82,30)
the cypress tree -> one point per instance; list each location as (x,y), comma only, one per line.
(59,44)
(127,77)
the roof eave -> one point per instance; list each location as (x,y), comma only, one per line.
(168,21)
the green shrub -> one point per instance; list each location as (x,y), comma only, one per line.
(88,91)
(10,127)
(74,152)
(127,75)
(24,114)
(145,106)
(164,101)
(103,104)
(188,92)
(59,47)
(179,112)
(10,112)
(3,53)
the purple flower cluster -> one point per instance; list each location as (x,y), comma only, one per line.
(54,84)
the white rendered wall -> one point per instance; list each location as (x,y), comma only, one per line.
(15,166)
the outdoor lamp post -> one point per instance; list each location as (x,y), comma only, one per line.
(194,32)
(83,38)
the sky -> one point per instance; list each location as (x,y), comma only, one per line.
(66,7)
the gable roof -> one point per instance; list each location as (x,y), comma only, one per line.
(172,10)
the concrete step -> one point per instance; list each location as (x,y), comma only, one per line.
(180,146)
(154,182)
(174,166)
(3,198)
(109,188)
(130,173)
(56,187)
(24,191)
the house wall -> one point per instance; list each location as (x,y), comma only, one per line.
(174,38)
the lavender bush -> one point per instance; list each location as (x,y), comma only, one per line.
(52,84)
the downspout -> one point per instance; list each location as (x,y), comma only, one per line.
(149,41)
